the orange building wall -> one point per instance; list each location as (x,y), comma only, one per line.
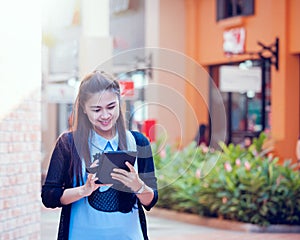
(271,19)
(293,27)
(192,94)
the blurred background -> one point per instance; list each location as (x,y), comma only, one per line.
(231,65)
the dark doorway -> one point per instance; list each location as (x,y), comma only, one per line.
(248,112)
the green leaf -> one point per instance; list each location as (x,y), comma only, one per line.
(266,193)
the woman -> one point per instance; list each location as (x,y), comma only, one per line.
(91,210)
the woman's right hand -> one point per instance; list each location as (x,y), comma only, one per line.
(90,184)
(71,195)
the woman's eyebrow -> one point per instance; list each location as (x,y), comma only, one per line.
(112,103)
(95,106)
(109,104)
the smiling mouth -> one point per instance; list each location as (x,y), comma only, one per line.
(105,123)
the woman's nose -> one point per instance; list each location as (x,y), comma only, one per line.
(104,114)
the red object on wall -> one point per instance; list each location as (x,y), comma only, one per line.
(234,40)
(127,88)
(149,129)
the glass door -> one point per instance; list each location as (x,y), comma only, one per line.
(248,112)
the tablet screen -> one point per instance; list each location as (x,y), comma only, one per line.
(109,161)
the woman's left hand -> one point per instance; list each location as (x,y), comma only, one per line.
(130,179)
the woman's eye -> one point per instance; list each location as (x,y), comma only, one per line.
(111,107)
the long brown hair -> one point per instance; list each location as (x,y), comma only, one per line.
(95,82)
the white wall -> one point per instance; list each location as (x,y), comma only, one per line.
(20,119)
(20,51)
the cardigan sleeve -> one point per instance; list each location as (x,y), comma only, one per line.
(146,165)
(58,173)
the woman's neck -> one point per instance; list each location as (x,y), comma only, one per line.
(107,134)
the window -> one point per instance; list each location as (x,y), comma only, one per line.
(232,8)
(248,112)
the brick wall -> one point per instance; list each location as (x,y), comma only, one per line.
(20,174)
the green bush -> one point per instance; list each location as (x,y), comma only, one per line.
(236,183)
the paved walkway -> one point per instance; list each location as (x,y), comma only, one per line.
(165,229)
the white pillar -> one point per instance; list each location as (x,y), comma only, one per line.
(95,18)
(95,42)
(20,51)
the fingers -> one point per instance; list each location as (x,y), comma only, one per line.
(95,164)
(125,172)
(131,168)
(92,177)
(122,175)
(130,179)
(91,180)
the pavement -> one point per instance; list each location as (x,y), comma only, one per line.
(160,228)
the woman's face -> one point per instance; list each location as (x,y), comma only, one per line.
(102,109)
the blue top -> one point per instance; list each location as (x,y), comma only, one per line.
(87,222)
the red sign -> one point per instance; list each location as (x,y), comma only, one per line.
(127,88)
(234,41)
(149,129)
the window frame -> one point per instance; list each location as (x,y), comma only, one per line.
(222,8)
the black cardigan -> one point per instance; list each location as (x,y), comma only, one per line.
(59,178)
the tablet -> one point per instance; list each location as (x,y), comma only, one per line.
(109,161)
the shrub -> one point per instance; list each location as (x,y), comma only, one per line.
(236,183)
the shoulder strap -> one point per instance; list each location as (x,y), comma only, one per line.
(131,141)
(135,134)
